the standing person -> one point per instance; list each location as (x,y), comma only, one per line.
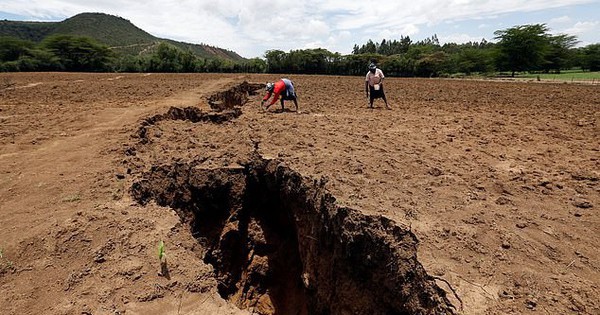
(374,85)
(283,87)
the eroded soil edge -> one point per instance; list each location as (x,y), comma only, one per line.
(280,244)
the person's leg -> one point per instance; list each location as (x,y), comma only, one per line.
(384,98)
(386,103)
(289,87)
(371,96)
(282,108)
(296,103)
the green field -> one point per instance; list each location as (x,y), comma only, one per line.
(567,75)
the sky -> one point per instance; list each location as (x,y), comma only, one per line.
(251,27)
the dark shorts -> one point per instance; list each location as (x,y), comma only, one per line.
(373,94)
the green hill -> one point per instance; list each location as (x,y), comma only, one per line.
(32,31)
(117,33)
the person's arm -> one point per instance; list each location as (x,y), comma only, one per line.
(277,90)
(266,98)
(367,88)
(381,77)
(275,97)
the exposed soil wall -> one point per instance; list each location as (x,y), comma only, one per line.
(279,244)
(192,114)
(234,96)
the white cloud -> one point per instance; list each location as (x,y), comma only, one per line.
(250,27)
(560,20)
(313,45)
(408,29)
(458,38)
(582,27)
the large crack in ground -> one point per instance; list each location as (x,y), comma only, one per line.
(192,114)
(234,96)
(278,241)
(280,244)
(225,106)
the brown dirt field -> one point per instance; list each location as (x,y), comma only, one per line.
(317,211)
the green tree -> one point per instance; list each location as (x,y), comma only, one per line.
(358,64)
(386,47)
(39,60)
(77,53)
(220,65)
(560,55)
(254,65)
(399,65)
(370,48)
(12,49)
(187,61)
(275,60)
(165,59)
(432,64)
(130,63)
(590,57)
(522,48)
(469,60)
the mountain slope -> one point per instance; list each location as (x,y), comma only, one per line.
(32,31)
(118,33)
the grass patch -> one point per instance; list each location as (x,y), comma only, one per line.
(567,75)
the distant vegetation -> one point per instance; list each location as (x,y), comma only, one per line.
(526,48)
(80,53)
(100,42)
(118,34)
(567,75)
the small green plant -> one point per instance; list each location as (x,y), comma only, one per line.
(161,250)
(162,258)
(6,265)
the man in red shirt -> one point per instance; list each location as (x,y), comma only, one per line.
(283,88)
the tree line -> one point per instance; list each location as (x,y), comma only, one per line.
(79,53)
(520,48)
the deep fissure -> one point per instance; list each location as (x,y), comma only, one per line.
(280,244)
(235,96)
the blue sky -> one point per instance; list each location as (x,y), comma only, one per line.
(250,27)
